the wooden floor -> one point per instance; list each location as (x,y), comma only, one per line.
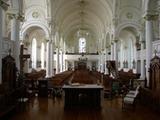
(53,109)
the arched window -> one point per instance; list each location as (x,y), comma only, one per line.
(34,53)
(82,45)
(42,55)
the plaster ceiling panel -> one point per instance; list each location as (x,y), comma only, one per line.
(133,3)
(31,3)
(93,14)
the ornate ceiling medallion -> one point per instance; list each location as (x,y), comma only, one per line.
(129,15)
(35,14)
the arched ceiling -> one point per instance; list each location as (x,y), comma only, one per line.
(96,17)
(73,15)
(128,32)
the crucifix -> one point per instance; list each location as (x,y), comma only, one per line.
(23,57)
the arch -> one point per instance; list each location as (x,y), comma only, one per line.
(34,24)
(107,39)
(125,25)
(57,39)
(150,5)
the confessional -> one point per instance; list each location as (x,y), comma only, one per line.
(9,89)
(151,95)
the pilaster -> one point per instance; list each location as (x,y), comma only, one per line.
(15,29)
(57,61)
(149,38)
(48,59)
(142,62)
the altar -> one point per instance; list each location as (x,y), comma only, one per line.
(86,95)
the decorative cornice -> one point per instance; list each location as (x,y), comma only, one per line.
(4,5)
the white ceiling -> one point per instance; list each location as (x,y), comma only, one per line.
(92,16)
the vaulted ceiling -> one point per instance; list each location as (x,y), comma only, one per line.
(95,17)
(90,15)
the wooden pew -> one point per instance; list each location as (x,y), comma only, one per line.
(31,81)
(127,78)
(55,83)
(35,75)
(97,75)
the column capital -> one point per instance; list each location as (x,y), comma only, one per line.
(142,42)
(15,16)
(20,17)
(108,46)
(115,21)
(4,5)
(112,43)
(47,40)
(115,40)
(150,17)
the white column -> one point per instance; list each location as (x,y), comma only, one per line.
(112,51)
(106,58)
(57,61)
(61,61)
(73,66)
(51,59)
(99,62)
(115,51)
(64,61)
(122,56)
(149,39)
(15,24)
(48,59)
(66,65)
(142,61)
(1,18)
(135,58)
(102,62)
